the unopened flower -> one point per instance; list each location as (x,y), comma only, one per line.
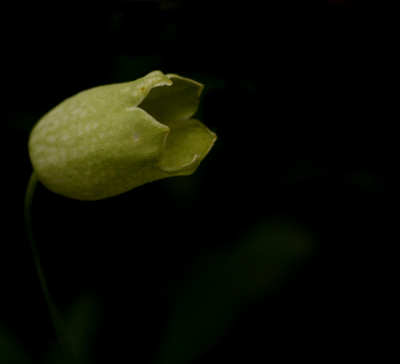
(110,139)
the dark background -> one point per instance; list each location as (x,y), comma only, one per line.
(278,247)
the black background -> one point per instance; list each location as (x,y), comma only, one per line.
(302,97)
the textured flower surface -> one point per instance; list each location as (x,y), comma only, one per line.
(110,139)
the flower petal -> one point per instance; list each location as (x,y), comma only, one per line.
(188,143)
(177,102)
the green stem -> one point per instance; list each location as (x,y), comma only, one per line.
(53,310)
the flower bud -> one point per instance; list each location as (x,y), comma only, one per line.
(110,139)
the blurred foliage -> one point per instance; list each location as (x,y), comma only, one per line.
(82,320)
(11,351)
(279,247)
(222,284)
